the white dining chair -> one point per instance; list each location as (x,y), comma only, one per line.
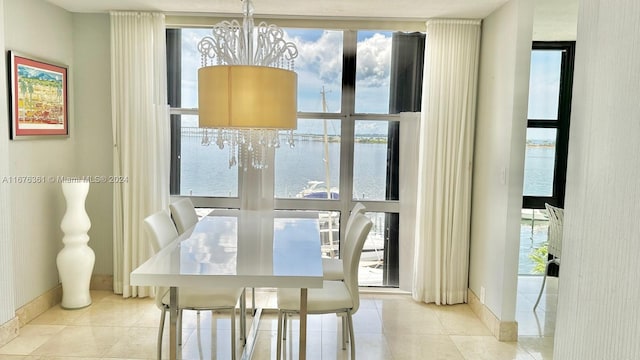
(162,232)
(183,214)
(554,243)
(332,269)
(339,297)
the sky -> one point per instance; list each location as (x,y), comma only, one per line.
(544,85)
(319,67)
(544,90)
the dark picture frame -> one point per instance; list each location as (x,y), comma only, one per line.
(38,98)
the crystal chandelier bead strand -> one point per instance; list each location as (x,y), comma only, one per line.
(232,43)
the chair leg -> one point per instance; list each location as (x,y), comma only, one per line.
(233,333)
(243,317)
(163,316)
(180,327)
(199,336)
(544,280)
(284,326)
(343,323)
(351,335)
(253,301)
(280,336)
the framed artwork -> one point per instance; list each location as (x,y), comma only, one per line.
(38,98)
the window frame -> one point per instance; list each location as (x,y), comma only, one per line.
(561,124)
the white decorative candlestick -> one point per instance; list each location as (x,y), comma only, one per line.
(75,261)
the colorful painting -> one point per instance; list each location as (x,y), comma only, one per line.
(38,98)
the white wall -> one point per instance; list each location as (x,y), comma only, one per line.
(555,20)
(92,61)
(7,306)
(499,155)
(39,29)
(598,315)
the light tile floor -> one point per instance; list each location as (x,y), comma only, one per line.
(387,326)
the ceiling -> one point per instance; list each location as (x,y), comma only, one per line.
(398,9)
(553,18)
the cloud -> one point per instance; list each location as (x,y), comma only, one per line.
(322,57)
(374,61)
(319,64)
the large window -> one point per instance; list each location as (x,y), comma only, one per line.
(346,142)
(548,124)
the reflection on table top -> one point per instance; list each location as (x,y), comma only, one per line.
(231,248)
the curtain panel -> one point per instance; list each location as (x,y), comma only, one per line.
(141,145)
(445,161)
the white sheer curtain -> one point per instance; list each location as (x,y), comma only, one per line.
(141,149)
(445,161)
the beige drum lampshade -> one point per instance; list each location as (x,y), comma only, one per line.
(244,96)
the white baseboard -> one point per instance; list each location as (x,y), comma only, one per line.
(502,330)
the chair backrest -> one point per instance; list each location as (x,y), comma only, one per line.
(358,233)
(184,214)
(358,208)
(160,229)
(556,219)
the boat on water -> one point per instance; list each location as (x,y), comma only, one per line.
(318,190)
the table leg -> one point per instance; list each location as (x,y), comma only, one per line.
(303,324)
(243,317)
(173,321)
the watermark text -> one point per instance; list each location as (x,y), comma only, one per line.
(34,179)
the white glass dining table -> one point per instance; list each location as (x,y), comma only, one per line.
(240,248)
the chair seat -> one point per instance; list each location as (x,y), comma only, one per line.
(333,295)
(205,298)
(332,269)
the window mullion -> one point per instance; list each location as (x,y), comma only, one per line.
(348,124)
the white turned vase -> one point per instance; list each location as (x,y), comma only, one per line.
(76,259)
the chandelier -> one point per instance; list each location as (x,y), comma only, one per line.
(247,90)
